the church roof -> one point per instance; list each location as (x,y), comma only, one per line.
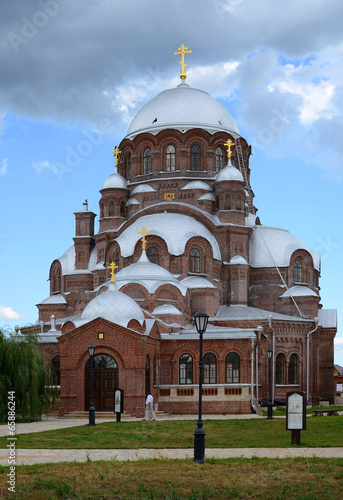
(299,291)
(229,173)
(182,108)
(270,247)
(175,229)
(113,306)
(56,298)
(197,185)
(238,312)
(196,282)
(167,309)
(115,181)
(143,188)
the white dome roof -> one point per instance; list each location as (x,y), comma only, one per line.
(229,173)
(143,188)
(299,291)
(115,181)
(238,259)
(113,306)
(182,108)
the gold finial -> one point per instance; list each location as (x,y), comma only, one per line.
(112,266)
(183,50)
(228,144)
(143,231)
(116,153)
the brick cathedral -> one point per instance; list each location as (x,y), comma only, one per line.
(178,224)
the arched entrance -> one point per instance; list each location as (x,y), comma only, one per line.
(105,382)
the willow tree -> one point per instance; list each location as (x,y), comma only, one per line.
(25,371)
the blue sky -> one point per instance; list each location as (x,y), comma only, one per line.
(74,73)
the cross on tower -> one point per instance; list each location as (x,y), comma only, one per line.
(112,266)
(143,231)
(228,144)
(183,50)
(116,153)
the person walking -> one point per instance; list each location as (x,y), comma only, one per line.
(149,407)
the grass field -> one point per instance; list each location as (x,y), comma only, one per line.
(235,433)
(254,478)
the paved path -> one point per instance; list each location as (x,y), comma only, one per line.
(29,457)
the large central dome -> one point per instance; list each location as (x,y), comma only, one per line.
(182,108)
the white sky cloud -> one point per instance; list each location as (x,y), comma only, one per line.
(3,166)
(7,313)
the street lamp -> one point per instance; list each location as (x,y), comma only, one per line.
(91,350)
(270,404)
(201,320)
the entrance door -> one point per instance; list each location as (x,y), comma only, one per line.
(105,382)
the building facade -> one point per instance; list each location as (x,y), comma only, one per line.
(178,224)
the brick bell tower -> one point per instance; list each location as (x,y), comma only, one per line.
(84,236)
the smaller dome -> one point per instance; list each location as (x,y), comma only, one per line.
(229,173)
(113,306)
(197,185)
(143,188)
(145,270)
(299,291)
(238,259)
(115,181)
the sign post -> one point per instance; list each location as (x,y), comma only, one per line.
(296,414)
(118,403)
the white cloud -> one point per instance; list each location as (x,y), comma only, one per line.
(3,168)
(41,166)
(7,313)
(339,343)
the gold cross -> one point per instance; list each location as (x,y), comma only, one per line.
(112,266)
(228,144)
(116,153)
(143,231)
(183,50)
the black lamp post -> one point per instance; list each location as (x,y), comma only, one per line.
(270,404)
(201,320)
(91,350)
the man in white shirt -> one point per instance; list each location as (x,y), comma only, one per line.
(149,407)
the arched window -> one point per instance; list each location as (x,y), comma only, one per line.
(147,161)
(186,369)
(280,369)
(227,202)
(152,254)
(196,157)
(147,375)
(210,368)
(293,369)
(194,261)
(111,209)
(117,261)
(56,370)
(232,368)
(170,158)
(102,361)
(239,202)
(219,159)
(297,271)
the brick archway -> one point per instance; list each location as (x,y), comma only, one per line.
(105,382)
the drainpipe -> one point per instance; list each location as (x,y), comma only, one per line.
(259,330)
(270,317)
(315,321)
(252,372)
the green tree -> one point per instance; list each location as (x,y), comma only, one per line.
(24,370)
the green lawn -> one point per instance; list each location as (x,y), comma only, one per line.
(236,433)
(256,478)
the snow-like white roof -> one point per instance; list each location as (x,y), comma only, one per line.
(67,261)
(174,229)
(270,247)
(238,259)
(207,196)
(299,291)
(238,312)
(132,201)
(182,108)
(212,332)
(115,181)
(143,188)
(250,220)
(197,185)
(150,276)
(54,299)
(196,282)
(113,306)
(167,309)
(229,173)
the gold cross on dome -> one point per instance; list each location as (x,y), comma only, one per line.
(182,51)
(228,144)
(116,153)
(112,266)
(143,231)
